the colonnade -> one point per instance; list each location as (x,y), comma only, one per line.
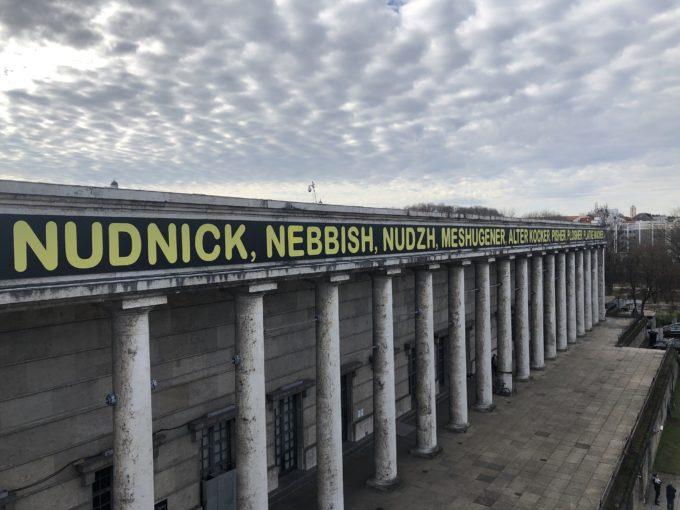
(562,300)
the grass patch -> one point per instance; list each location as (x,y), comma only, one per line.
(668,455)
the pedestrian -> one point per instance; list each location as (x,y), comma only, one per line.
(670,496)
(657,488)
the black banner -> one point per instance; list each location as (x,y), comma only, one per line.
(51,246)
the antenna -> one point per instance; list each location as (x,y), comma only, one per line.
(312,189)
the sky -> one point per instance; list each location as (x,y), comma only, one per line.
(521,106)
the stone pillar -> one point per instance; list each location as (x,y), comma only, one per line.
(328,405)
(504,323)
(426,405)
(587,291)
(251,421)
(384,412)
(549,315)
(537,345)
(603,307)
(580,297)
(483,374)
(561,301)
(133,483)
(571,297)
(595,287)
(522,318)
(458,402)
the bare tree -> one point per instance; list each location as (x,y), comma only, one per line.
(650,273)
(454,209)
(545,214)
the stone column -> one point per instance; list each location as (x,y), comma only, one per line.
(328,405)
(504,323)
(561,301)
(426,405)
(595,287)
(549,315)
(133,483)
(384,412)
(458,402)
(537,345)
(251,420)
(580,297)
(483,374)
(587,291)
(522,357)
(571,297)
(603,307)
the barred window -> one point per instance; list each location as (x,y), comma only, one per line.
(440,373)
(286,434)
(217,451)
(101,489)
(412,372)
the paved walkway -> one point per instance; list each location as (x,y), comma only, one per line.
(553,445)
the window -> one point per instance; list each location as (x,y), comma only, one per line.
(101,489)
(287,434)
(345,399)
(161,505)
(412,372)
(217,451)
(440,373)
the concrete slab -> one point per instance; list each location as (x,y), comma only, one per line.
(553,445)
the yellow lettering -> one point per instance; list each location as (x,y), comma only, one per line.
(167,245)
(314,246)
(332,246)
(233,240)
(24,237)
(199,242)
(71,246)
(276,241)
(115,257)
(294,239)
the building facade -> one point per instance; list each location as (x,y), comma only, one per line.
(181,351)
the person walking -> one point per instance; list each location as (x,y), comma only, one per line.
(670,496)
(657,488)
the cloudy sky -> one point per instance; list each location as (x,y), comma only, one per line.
(517,105)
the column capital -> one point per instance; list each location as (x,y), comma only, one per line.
(487,260)
(140,303)
(428,267)
(386,271)
(333,278)
(257,288)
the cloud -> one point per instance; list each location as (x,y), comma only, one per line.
(532,105)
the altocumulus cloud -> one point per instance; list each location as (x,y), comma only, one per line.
(523,105)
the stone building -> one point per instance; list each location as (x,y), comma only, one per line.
(190,351)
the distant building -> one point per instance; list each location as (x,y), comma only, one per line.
(633,211)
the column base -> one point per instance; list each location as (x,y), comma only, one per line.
(550,358)
(484,408)
(457,427)
(538,369)
(522,379)
(428,453)
(564,349)
(384,485)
